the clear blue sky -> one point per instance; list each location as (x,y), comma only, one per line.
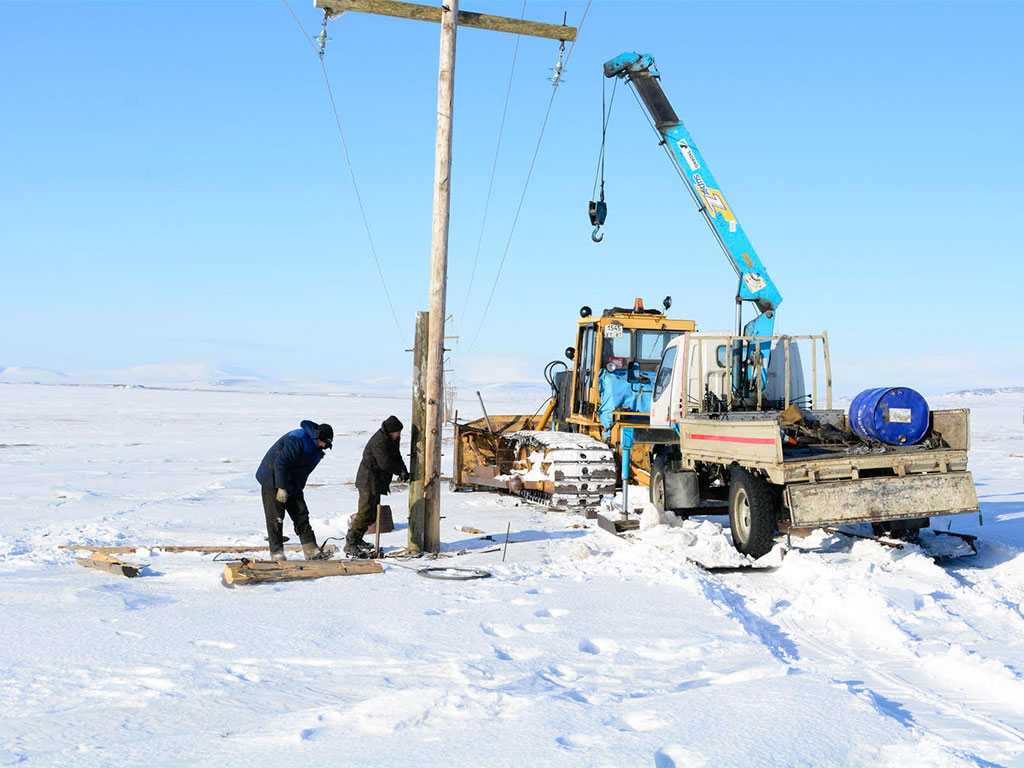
(172,188)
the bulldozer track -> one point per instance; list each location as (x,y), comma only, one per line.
(577,469)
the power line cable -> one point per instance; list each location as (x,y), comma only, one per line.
(529,174)
(319,50)
(494,168)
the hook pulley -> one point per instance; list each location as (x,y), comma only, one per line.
(598,210)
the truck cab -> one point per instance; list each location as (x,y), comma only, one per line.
(697,373)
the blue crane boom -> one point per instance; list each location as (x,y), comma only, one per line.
(755,285)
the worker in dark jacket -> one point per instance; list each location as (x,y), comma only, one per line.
(282,476)
(381,460)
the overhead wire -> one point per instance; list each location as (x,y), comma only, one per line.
(351,169)
(494,168)
(526,184)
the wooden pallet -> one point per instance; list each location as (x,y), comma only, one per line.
(258,571)
(104,562)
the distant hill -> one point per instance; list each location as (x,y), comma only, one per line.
(25,375)
(996,391)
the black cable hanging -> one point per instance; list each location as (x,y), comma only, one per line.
(598,209)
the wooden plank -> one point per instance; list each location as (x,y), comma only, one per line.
(329,549)
(104,562)
(256,571)
(466,18)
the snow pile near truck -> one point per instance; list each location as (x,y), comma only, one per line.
(697,540)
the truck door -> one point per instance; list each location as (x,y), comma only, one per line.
(664,389)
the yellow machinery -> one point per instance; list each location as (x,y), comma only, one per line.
(570,454)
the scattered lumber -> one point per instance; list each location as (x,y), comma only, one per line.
(104,562)
(258,571)
(329,549)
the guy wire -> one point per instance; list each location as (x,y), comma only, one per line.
(352,174)
(494,168)
(526,184)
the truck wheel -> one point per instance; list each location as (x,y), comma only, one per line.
(752,513)
(657,485)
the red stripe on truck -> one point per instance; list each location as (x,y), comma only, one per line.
(723,439)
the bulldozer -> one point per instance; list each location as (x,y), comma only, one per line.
(579,446)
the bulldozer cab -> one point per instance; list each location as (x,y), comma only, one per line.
(602,396)
(616,358)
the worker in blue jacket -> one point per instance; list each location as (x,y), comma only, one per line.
(282,476)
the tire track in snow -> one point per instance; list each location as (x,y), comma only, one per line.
(930,684)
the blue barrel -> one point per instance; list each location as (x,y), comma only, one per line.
(891,415)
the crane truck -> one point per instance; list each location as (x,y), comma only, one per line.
(720,421)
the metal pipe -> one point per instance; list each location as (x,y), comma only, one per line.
(786,343)
(700,375)
(486,417)
(828,370)
(814,373)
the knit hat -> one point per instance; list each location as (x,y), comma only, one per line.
(392,424)
(325,432)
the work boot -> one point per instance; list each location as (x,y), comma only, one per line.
(277,555)
(355,546)
(312,551)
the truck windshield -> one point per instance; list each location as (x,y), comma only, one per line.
(650,345)
(664,373)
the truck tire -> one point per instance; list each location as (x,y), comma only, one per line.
(753,513)
(657,484)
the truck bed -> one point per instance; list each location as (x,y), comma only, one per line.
(842,479)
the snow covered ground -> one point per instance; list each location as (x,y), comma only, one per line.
(581,650)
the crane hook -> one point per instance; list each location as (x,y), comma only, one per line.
(598,210)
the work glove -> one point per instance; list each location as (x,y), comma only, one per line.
(282,495)
(403,477)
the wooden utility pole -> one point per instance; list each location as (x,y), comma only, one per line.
(417,504)
(439,277)
(451,18)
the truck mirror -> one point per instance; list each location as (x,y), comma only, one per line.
(633,374)
(570,353)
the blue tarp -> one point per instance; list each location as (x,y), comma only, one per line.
(617,395)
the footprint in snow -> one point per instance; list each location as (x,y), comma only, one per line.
(539,629)
(638,721)
(521,654)
(550,613)
(579,741)
(562,672)
(499,630)
(598,645)
(676,756)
